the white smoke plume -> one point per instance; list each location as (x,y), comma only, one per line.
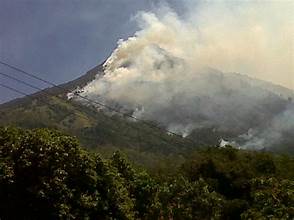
(167,71)
(278,131)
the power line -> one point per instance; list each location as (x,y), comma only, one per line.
(93,101)
(15,90)
(31,96)
(66,90)
(33,87)
(52,108)
(21,81)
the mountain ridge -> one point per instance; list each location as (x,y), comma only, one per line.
(210,134)
(67,86)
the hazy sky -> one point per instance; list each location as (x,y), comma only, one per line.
(60,40)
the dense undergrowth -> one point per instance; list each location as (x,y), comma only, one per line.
(45,174)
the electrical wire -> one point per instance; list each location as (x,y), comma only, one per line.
(92,101)
(44,91)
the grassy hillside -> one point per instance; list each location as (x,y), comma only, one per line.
(96,130)
(107,132)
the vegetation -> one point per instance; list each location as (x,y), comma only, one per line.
(101,131)
(94,129)
(45,174)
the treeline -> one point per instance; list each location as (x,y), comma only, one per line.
(47,175)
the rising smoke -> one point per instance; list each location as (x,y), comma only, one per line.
(174,70)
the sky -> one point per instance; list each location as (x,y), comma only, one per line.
(60,40)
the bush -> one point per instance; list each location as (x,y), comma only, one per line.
(46,175)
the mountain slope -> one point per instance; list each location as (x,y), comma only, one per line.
(248,112)
(51,108)
(55,91)
(206,105)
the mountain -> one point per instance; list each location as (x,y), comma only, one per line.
(206,105)
(244,111)
(55,91)
(96,130)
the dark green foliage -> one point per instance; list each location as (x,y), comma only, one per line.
(47,175)
(231,173)
(182,199)
(142,188)
(94,129)
(271,199)
(264,164)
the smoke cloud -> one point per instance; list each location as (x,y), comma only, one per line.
(181,71)
(276,132)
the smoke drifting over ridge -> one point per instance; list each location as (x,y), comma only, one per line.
(167,71)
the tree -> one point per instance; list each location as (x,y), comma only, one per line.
(271,199)
(142,188)
(47,175)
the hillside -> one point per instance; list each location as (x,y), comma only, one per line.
(207,105)
(54,91)
(96,130)
(227,106)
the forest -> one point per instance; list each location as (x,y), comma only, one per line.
(146,110)
(46,174)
